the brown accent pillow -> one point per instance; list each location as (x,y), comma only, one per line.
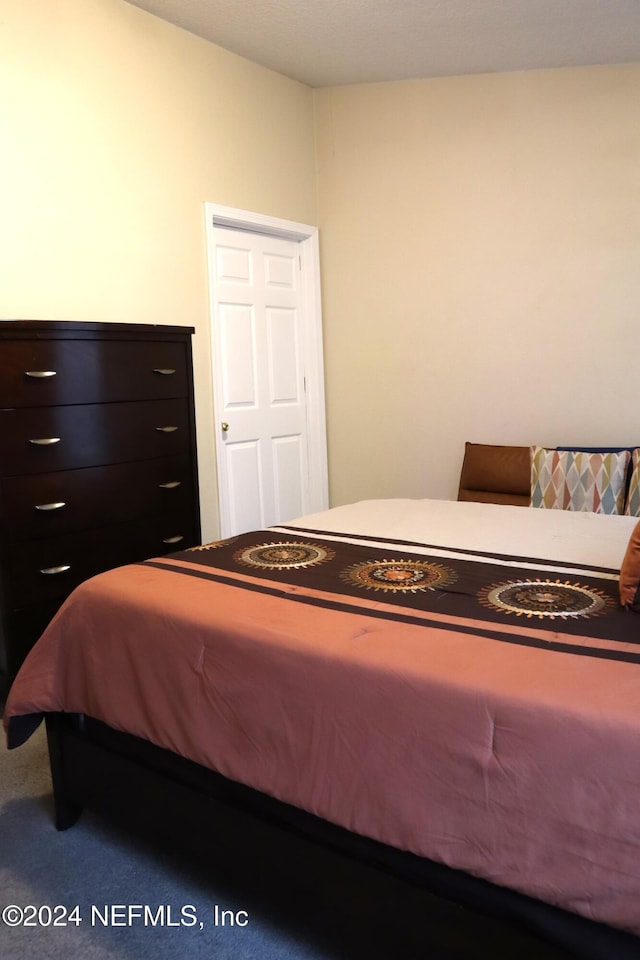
(630,573)
(493,473)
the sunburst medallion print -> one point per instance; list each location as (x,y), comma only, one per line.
(545,599)
(284,556)
(398,576)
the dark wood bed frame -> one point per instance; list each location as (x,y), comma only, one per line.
(165,798)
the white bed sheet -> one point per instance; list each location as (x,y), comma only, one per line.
(569,537)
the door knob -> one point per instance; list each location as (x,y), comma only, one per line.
(225,426)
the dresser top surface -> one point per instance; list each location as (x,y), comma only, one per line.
(40,329)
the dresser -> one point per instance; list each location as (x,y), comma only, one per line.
(98,462)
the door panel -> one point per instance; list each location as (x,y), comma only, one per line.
(238,355)
(244,477)
(279,270)
(233,264)
(284,355)
(288,476)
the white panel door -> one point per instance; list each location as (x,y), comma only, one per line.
(259,379)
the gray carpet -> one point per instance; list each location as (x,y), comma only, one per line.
(323,907)
(93,864)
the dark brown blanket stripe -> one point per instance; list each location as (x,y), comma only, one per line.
(460,598)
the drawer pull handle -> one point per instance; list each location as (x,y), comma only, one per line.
(173,539)
(171,485)
(40,374)
(45,441)
(163,371)
(166,429)
(57,505)
(52,571)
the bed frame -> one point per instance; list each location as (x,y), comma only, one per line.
(198,812)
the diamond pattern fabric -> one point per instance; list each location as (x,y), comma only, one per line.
(578,480)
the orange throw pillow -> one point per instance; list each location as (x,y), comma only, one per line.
(630,573)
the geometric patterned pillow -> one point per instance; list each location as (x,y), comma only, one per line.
(632,508)
(578,480)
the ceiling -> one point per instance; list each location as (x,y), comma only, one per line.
(334,42)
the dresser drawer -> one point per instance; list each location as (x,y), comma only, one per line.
(45,372)
(50,504)
(35,440)
(39,571)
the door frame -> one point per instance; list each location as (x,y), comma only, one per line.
(308,244)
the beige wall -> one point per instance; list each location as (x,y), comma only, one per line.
(480,236)
(115,128)
(480,242)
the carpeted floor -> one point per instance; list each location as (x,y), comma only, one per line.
(94,865)
(334,910)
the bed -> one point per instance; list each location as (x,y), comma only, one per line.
(449,689)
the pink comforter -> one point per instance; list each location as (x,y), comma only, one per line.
(485,744)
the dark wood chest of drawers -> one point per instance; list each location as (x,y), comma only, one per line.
(98,461)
